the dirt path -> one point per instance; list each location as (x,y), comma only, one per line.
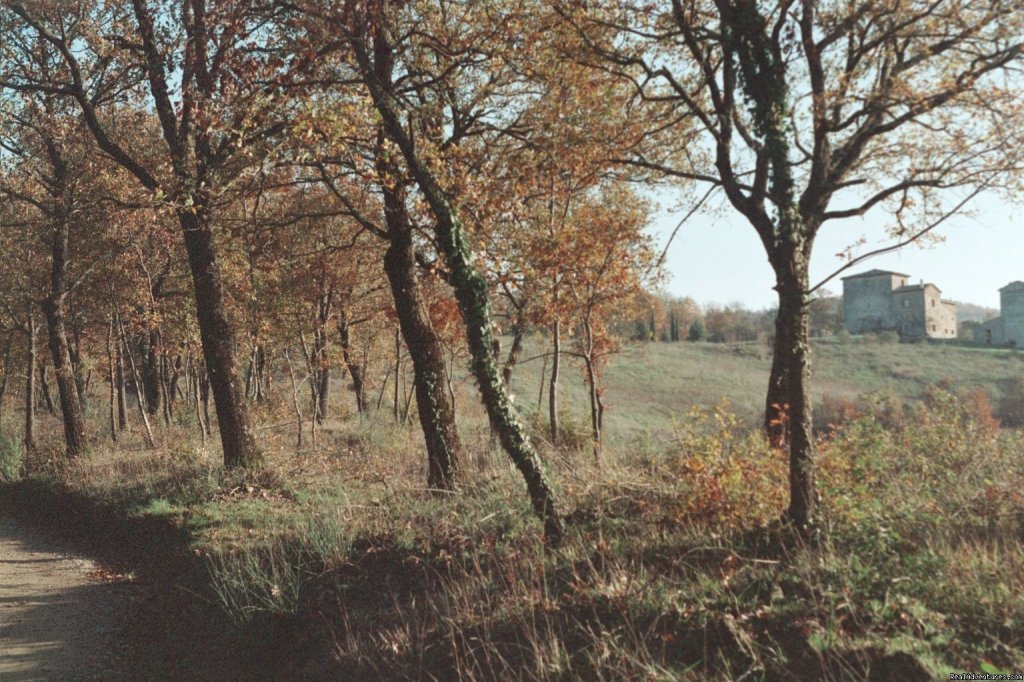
(61,616)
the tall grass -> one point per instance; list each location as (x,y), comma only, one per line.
(675,566)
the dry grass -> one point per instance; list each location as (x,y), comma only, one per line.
(674,567)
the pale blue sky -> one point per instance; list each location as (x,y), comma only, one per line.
(719,259)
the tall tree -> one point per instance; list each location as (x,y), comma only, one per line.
(51,162)
(380,48)
(803,112)
(213,75)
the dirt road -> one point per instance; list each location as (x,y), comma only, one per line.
(61,616)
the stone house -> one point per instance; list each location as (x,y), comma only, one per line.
(1008,328)
(881,300)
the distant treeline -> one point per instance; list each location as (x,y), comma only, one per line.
(666,318)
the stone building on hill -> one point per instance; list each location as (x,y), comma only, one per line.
(881,300)
(1008,328)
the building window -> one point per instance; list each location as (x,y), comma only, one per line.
(933,327)
(933,302)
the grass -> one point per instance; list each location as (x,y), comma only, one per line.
(675,567)
(649,385)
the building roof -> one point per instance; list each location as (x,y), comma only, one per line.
(1013,286)
(876,273)
(915,287)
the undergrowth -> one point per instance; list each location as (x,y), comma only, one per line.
(675,566)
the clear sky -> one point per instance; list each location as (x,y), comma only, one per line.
(719,259)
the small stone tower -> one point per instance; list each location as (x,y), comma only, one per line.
(1011,307)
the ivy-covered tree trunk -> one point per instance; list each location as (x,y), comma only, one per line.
(776,407)
(469,285)
(793,359)
(471,292)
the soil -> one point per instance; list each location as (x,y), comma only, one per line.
(62,617)
(94,599)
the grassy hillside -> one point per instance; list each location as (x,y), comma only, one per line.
(334,562)
(649,385)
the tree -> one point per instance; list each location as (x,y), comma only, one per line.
(50,172)
(805,112)
(606,262)
(697,331)
(825,312)
(361,169)
(213,74)
(375,35)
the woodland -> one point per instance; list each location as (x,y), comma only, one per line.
(261,226)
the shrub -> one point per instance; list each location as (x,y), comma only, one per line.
(1011,403)
(834,411)
(888,337)
(11,457)
(573,431)
(697,331)
(885,407)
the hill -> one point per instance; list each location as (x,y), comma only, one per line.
(649,385)
(972,312)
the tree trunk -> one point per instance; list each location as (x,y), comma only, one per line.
(321,360)
(217,336)
(30,384)
(383,388)
(595,401)
(113,379)
(469,285)
(74,353)
(556,355)
(314,383)
(398,372)
(150,441)
(595,409)
(164,375)
(295,402)
(777,407)
(194,370)
(204,392)
(46,400)
(151,382)
(793,355)
(471,292)
(436,412)
(540,391)
(7,376)
(262,376)
(355,370)
(173,389)
(122,393)
(518,334)
(250,374)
